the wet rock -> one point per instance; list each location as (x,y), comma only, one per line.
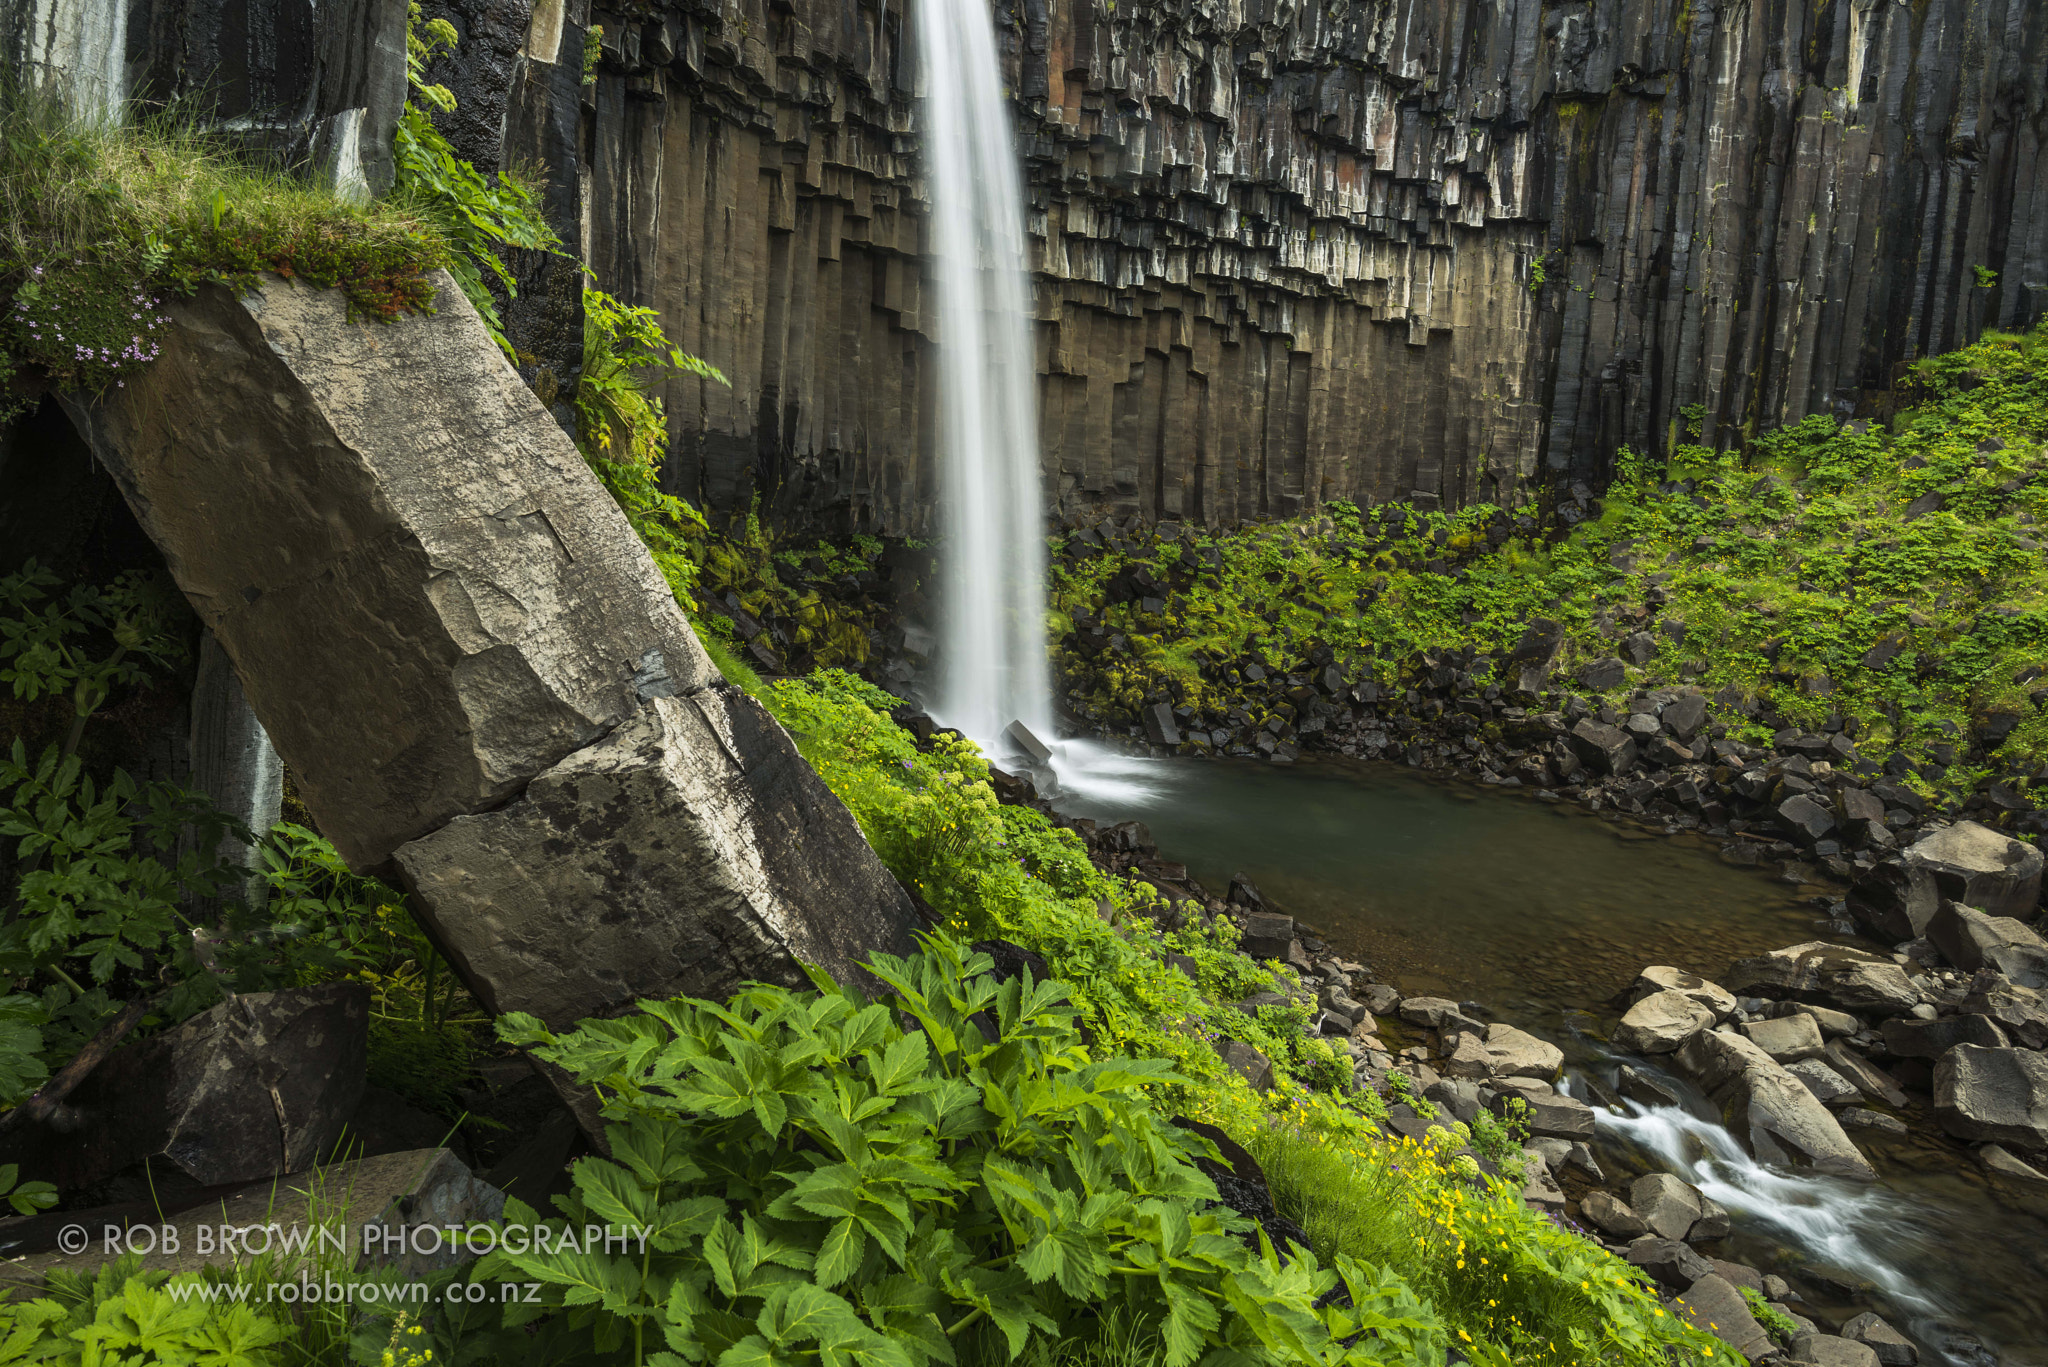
(1267,935)
(1253,1066)
(260,1085)
(1714,1222)
(1666,1204)
(1669,1261)
(1998,1162)
(1931,1039)
(2022,1012)
(1029,745)
(1971,940)
(1852,980)
(1999,1095)
(1713,1305)
(1773,1110)
(1829,1087)
(1644,1089)
(689,851)
(1787,1038)
(1661,1022)
(1606,750)
(1893,1349)
(1612,1216)
(1504,1052)
(1664,978)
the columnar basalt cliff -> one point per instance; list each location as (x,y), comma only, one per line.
(1446,249)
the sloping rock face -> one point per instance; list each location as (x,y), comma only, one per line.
(1292,253)
(437,611)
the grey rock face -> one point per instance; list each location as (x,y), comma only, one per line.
(1788,1038)
(438,569)
(1664,1203)
(1999,1095)
(1829,1087)
(2021,1012)
(1932,1039)
(1267,935)
(257,1086)
(1669,1261)
(1504,1052)
(1664,978)
(1714,1306)
(1612,1216)
(1893,1349)
(1605,749)
(689,851)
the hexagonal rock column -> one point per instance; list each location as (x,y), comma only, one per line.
(432,604)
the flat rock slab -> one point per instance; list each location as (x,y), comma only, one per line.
(1998,1095)
(392,1209)
(1824,974)
(691,850)
(426,593)
(259,1085)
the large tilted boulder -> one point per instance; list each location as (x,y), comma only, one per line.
(1970,940)
(1824,974)
(690,850)
(432,604)
(1762,1102)
(427,595)
(1995,1095)
(1966,863)
(259,1085)
(2021,1012)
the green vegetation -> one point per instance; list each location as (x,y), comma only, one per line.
(126,1316)
(1891,578)
(1775,1322)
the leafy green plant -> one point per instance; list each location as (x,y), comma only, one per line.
(125,1317)
(1986,277)
(28,1197)
(1775,1322)
(474,214)
(832,1181)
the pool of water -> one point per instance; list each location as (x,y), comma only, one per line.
(1443,888)
(1543,911)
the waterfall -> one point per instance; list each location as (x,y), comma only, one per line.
(992,669)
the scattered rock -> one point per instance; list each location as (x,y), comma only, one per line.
(1714,1222)
(1605,749)
(1612,1216)
(1644,1089)
(1661,1022)
(1966,863)
(258,1086)
(1788,1038)
(1839,976)
(1664,978)
(1867,1077)
(1829,1087)
(1541,1189)
(1999,1095)
(1825,1350)
(1893,1349)
(1760,1100)
(1863,1118)
(1970,940)
(1267,935)
(1598,676)
(1908,1038)
(1669,1261)
(1668,1206)
(1253,1066)
(1559,1117)
(2022,1012)
(1831,1023)
(1998,1161)
(1382,1000)
(1505,1052)
(1713,1305)
(1160,727)
(1430,1012)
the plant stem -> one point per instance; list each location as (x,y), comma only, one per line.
(965,1320)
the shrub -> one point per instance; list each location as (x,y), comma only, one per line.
(830,1180)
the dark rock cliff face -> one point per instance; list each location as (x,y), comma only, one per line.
(1439,249)
(1287,253)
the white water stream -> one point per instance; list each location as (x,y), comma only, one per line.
(993,668)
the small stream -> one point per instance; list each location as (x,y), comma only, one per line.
(1542,912)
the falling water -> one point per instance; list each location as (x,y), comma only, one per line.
(993,667)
